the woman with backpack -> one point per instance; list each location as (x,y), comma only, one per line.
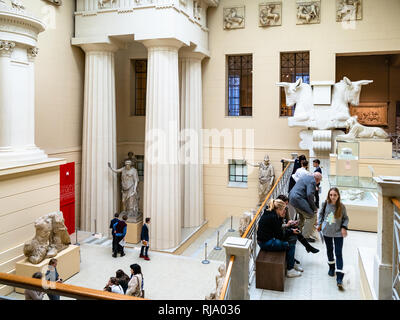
(135,285)
(333,222)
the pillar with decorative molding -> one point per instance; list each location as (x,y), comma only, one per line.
(191,107)
(162,183)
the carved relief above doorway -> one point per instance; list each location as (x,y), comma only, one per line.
(371,113)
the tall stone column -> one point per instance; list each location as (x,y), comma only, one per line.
(162,190)
(99,139)
(18,39)
(191,125)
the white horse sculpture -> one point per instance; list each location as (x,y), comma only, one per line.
(345,92)
(299,94)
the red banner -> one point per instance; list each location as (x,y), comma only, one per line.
(67,195)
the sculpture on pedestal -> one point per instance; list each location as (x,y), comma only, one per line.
(51,237)
(266,177)
(219,283)
(358,131)
(130,197)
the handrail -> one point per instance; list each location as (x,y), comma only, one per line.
(227,278)
(232,258)
(396,203)
(263,204)
(61,289)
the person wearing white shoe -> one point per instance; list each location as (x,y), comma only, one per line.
(272,237)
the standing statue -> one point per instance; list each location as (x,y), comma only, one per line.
(219,283)
(131,157)
(266,177)
(129,183)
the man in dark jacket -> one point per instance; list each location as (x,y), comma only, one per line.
(112,222)
(119,230)
(316,164)
(144,236)
(302,198)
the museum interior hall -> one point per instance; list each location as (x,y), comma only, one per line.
(228,149)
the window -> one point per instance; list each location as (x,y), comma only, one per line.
(237,171)
(294,65)
(140,166)
(240,85)
(140,87)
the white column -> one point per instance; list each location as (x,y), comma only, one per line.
(191,125)
(162,192)
(99,139)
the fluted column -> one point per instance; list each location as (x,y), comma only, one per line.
(162,192)
(191,125)
(99,139)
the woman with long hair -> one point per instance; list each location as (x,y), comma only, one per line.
(272,237)
(333,222)
(135,285)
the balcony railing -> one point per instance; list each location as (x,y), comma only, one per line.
(396,251)
(60,289)
(280,187)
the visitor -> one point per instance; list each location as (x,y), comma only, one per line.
(112,222)
(317,168)
(288,223)
(333,222)
(33,294)
(272,237)
(119,229)
(114,286)
(123,279)
(135,285)
(52,275)
(301,172)
(302,198)
(297,165)
(144,237)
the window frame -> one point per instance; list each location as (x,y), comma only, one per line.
(236,182)
(134,88)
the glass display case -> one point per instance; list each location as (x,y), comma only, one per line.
(356,190)
(347,158)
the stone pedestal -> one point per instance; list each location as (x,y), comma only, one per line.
(384,257)
(239,285)
(133,232)
(67,266)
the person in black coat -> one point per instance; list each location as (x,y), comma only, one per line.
(297,164)
(112,222)
(272,237)
(144,236)
(316,164)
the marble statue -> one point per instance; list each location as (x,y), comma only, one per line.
(17,4)
(245,220)
(51,237)
(299,94)
(130,197)
(345,92)
(358,131)
(219,283)
(348,10)
(103,2)
(270,14)
(233,19)
(308,12)
(266,177)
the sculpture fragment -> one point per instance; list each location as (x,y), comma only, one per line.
(308,12)
(219,282)
(270,14)
(234,18)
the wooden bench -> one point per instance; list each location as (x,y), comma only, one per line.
(271,270)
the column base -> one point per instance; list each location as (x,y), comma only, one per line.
(10,157)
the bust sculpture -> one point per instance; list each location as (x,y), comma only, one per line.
(51,237)
(266,177)
(129,183)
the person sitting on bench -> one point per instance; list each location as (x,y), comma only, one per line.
(272,237)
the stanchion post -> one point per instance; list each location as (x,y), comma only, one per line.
(205,261)
(231,229)
(217,247)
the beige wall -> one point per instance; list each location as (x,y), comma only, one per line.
(24,197)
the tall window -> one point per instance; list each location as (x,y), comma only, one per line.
(240,85)
(140,166)
(140,71)
(294,65)
(237,171)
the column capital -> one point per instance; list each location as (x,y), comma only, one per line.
(98,44)
(186,53)
(6,48)
(162,43)
(32,53)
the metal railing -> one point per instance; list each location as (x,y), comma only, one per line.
(396,251)
(280,187)
(60,289)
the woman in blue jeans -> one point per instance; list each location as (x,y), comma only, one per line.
(272,237)
(333,222)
